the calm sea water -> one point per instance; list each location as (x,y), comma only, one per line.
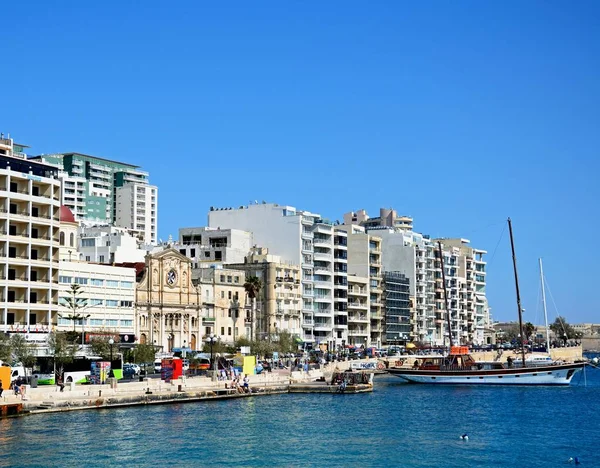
(397,425)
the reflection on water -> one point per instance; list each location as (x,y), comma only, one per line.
(396,425)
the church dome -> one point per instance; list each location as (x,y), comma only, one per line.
(66,215)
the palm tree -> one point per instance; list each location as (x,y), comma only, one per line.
(253,285)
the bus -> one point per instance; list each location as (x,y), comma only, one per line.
(78,370)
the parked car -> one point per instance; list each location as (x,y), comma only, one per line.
(133,369)
(128,371)
(157,365)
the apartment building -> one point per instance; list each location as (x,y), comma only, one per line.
(364,260)
(107,296)
(106,293)
(205,245)
(359,323)
(301,238)
(90,190)
(228,314)
(388,217)
(397,308)
(279,303)
(29,246)
(340,291)
(137,210)
(109,244)
(466,278)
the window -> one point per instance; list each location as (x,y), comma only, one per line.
(112,323)
(79,280)
(127,323)
(222,294)
(65,279)
(101,260)
(88,258)
(97,282)
(229,331)
(127,284)
(112,284)
(236,279)
(62,238)
(229,278)
(206,254)
(229,295)
(236,296)
(126,303)
(192,253)
(72,240)
(222,278)
(96,322)
(88,242)
(112,303)
(222,330)
(96,302)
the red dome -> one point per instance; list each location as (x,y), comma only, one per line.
(66,215)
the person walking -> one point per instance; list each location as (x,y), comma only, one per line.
(1,389)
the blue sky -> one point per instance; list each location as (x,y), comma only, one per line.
(457,113)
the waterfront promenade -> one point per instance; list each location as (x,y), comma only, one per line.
(151,391)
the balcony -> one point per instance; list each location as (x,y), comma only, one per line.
(324,270)
(322,299)
(322,256)
(358,318)
(322,312)
(321,242)
(359,332)
(322,228)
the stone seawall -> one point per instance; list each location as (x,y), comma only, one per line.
(45,399)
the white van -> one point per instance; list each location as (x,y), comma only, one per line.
(157,365)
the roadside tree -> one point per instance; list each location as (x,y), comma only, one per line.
(63,351)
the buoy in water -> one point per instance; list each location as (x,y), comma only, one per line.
(575,460)
(464,437)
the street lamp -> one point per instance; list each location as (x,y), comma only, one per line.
(212,339)
(111,342)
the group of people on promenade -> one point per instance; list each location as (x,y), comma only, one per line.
(240,387)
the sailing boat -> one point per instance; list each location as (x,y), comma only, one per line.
(459,367)
(538,359)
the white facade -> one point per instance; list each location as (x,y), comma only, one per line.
(299,237)
(29,243)
(109,244)
(109,294)
(74,194)
(359,323)
(364,260)
(340,292)
(210,245)
(412,254)
(137,210)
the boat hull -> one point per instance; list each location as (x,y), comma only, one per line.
(540,375)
